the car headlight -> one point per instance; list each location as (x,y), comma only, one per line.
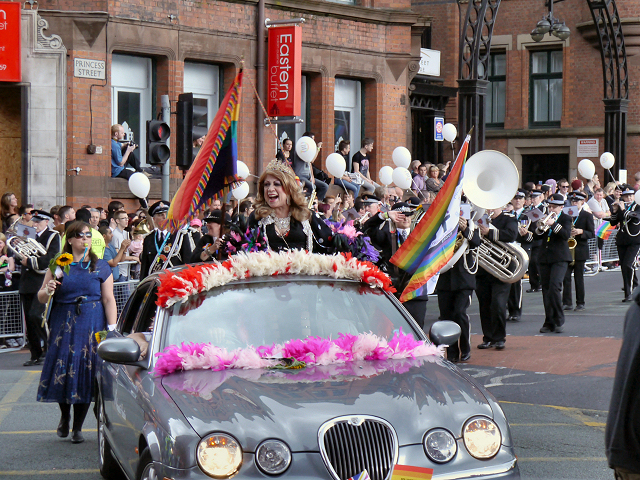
(273,457)
(219,455)
(440,445)
(482,437)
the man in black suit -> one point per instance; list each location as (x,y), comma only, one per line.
(626,213)
(493,293)
(158,244)
(389,230)
(583,229)
(210,245)
(554,260)
(524,238)
(537,201)
(33,271)
(455,288)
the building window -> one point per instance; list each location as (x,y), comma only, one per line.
(497,90)
(203,81)
(295,130)
(347,110)
(545,85)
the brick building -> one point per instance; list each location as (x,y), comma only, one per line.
(358,59)
(543,97)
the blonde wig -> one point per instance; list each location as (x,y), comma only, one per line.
(295,198)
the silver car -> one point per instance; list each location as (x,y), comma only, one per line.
(322,421)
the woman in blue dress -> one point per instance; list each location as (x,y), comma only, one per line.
(82,306)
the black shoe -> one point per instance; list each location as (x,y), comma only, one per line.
(567,307)
(545,329)
(627,299)
(558,329)
(453,359)
(76,437)
(532,290)
(579,308)
(539,289)
(465,357)
(63,428)
(32,362)
(484,345)
(499,345)
(513,318)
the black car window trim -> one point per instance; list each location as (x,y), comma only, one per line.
(132,309)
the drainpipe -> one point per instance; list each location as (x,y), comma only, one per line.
(260,78)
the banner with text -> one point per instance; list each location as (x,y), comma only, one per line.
(285,71)
(10,54)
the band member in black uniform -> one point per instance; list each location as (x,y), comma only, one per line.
(554,260)
(492,293)
(389,230)
(33,271)
(455,287)
(211,244)
(158,244)
(583,229)
(626,214)
(536,245)
(524,238)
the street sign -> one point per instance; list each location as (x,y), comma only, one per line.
(437,130)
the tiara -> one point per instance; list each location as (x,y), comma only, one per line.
(279,166)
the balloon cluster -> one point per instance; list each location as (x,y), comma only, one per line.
(587,169)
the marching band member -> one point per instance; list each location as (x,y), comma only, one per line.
(583,229)
(537,198)
(524,238)
(33,272)
(626,213)
(159,243)
(455,288)
(493,293)
(554,230)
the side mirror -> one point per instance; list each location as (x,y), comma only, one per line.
(119,350)
(444,332)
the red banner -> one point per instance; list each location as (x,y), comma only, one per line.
(10,53)
(285,72)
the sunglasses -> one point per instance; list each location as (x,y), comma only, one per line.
(564,186)
(83,235)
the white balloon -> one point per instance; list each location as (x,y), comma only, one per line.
(336,165)
(306,149)
(386,175)
(402,178)
(607,160)
(241,191)
(243,170)
(401,157)
(139,185)
(586,168)
(449,132)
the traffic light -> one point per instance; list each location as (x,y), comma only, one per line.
(192,125)
(158,151)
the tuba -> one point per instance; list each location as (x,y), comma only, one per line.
(142,228)
(490,181)
(23,247)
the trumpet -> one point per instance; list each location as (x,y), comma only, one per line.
(360,221)
(541,225)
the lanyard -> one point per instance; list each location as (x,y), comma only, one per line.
(155,239)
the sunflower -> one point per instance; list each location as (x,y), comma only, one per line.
(64,259)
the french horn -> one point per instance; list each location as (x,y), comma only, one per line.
(22,246)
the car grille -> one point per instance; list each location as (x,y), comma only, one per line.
(354,443)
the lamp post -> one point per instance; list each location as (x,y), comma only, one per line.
(550,24)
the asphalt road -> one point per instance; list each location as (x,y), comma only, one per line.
(554,388)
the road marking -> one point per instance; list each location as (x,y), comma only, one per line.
(594,424)
(15,392)
(36,432)
(560,459)
(25,473)
(573,412)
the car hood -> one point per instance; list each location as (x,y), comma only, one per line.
(414,395)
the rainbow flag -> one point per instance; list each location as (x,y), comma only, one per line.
(364,475)
(214,171)
(406,472)
(431,244)
(605,230)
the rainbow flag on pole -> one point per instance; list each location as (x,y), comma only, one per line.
(214,171)
(431,244)
(605,230)
(406,472)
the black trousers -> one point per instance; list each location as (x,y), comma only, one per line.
(453,306)
(418,310)
(552,278)
(515,299)
(492,300)
(578,274)
(627,255)
(534,268)
(33,311)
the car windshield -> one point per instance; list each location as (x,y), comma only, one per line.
(235,316)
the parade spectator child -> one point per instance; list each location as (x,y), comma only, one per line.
(135,249)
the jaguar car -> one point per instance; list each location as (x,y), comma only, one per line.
(291,365)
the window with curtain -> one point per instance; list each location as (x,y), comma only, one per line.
(545,83)
(497,90)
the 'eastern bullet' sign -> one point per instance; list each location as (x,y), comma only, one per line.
(285,71)
(10,54)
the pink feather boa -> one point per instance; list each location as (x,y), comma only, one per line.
(312,351)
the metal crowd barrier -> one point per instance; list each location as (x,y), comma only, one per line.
(597,257)
(122,291)
(12,324)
